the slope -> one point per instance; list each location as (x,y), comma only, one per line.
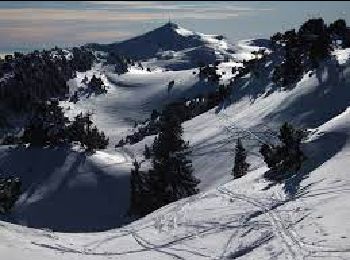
(177,48)
(239,219)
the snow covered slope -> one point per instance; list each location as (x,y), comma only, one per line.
(176,47)
(257,106)
(68,191)
(305,218)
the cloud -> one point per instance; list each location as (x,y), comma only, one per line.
(29,15)
(38,33)
(45,34)
(102,21)
(129,4)
(33,15)
(132,11)
(180,5)
(103,36)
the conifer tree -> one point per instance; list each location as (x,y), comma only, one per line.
(140,193)
(171,177)
(89,136)
(286,158)
(171,165)
(147,152)
(241,166)
(135,192)
(47,125)
(10,189)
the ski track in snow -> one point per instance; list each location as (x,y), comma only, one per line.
(220,223)
(296,247)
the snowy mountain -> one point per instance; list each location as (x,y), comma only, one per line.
(171,42)
(248,218)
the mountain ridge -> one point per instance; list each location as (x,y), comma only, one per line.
(169,37)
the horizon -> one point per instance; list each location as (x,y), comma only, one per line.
(26,26)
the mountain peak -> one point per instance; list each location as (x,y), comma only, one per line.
(169,36)
(170,25)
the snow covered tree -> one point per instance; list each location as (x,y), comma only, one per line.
(241,166)
(10,189)
(286,158)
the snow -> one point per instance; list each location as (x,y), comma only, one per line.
(61,180)
(136,70)
(211,39)
(342,55)
(175,48)
(184,32)
(84,199)
(244,48)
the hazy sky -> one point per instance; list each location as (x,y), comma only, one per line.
(45,24)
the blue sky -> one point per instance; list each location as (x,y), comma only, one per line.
(44,24)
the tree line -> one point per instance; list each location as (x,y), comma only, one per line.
(188,109)
(49,126)
(304,49)
(39,76)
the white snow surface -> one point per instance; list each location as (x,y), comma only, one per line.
(247,218)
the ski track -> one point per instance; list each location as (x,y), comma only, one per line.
(288,234)
(296,248)
(279,223)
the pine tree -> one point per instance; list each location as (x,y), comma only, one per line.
(147,152)
(10,189)
(83,131)
(141,196)
(241,166)
(286,158)
(171,177)
(171,161)
(47,125)
(135,190)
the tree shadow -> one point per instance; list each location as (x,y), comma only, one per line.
(318,152)
(65,191)
(327,99)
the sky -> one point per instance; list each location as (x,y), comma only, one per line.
(34,24)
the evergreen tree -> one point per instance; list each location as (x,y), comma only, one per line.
(241,166)
(286,158)
(10,189)
(147,152)
(140,194)
(47,125)
(96,85)
(171,177)
(135,190)
(89,136)
(171,167)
